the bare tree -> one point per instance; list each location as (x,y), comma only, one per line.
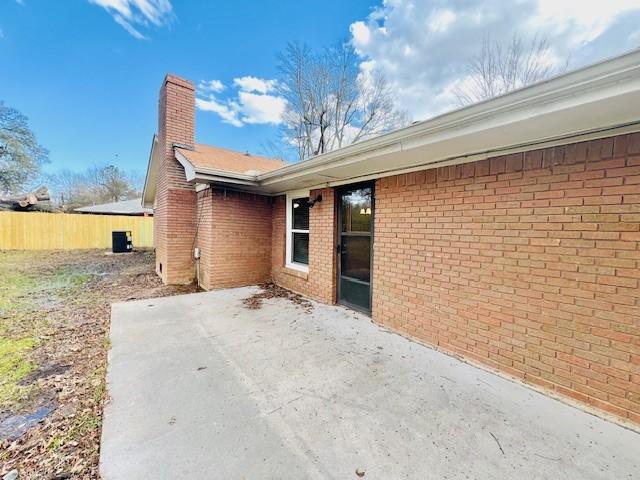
(97,184)
(500,68)
(331,102)
(67,186)
(274,149)
(111,182)
(20,154)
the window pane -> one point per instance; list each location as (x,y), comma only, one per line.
(355,293)
(300,209)
(356,210)
(356,257)
(301,248)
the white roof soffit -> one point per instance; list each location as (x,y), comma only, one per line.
(596,101)
(200,174)
(151,179)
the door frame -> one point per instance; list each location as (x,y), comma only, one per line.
(338,246)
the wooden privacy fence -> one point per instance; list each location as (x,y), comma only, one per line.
(62,231)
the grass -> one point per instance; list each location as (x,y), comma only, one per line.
(54,323)
(15,364)
(82,425)
(99,384)
(14,289)
(86,421)
(23,293)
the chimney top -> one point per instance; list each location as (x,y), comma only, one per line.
(176,113)
(176,80)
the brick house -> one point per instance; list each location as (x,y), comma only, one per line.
(507,232)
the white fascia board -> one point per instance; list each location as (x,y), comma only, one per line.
(573,97)
(208,173)
(596,81)
(151,178)
(474,157)
(189,170)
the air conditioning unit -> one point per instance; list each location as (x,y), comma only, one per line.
(121,242)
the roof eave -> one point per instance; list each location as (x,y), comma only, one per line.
(202,172)
(512,123)
(579,82)
(150,180)
(225,177)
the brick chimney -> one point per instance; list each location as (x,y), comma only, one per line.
(175,205)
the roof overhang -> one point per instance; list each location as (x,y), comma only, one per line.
(594,102)
(198,174)
(151,179)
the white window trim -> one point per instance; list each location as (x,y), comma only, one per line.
(289,263)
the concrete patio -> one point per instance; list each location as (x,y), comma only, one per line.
(202,387)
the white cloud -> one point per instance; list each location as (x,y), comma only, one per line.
(133,14)
(585,21)
(251,103)
(1,33)
(441,20)
(226,112)
(128,27)
(423,47)
(253,84)
(360,33)
(257,108)
(208,86)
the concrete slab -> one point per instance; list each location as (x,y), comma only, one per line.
(203,388)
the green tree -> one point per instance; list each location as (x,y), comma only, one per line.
(21,156)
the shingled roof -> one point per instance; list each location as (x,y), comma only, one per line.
(126,207)
(224,160)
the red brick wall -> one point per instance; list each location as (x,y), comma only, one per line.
(528,263)
(320,282)
(175,204)
(285,277)
(204,235)
(234,234)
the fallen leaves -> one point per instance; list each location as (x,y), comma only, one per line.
(68,310)
(270,290)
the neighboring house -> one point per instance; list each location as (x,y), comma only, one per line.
(507,232)
(126,207)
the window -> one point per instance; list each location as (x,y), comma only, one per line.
(298,231)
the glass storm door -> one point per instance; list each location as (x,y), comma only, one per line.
(355,242)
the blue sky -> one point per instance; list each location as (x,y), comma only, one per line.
(87,72)
(90,88)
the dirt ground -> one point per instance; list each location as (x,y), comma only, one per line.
(54,323)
